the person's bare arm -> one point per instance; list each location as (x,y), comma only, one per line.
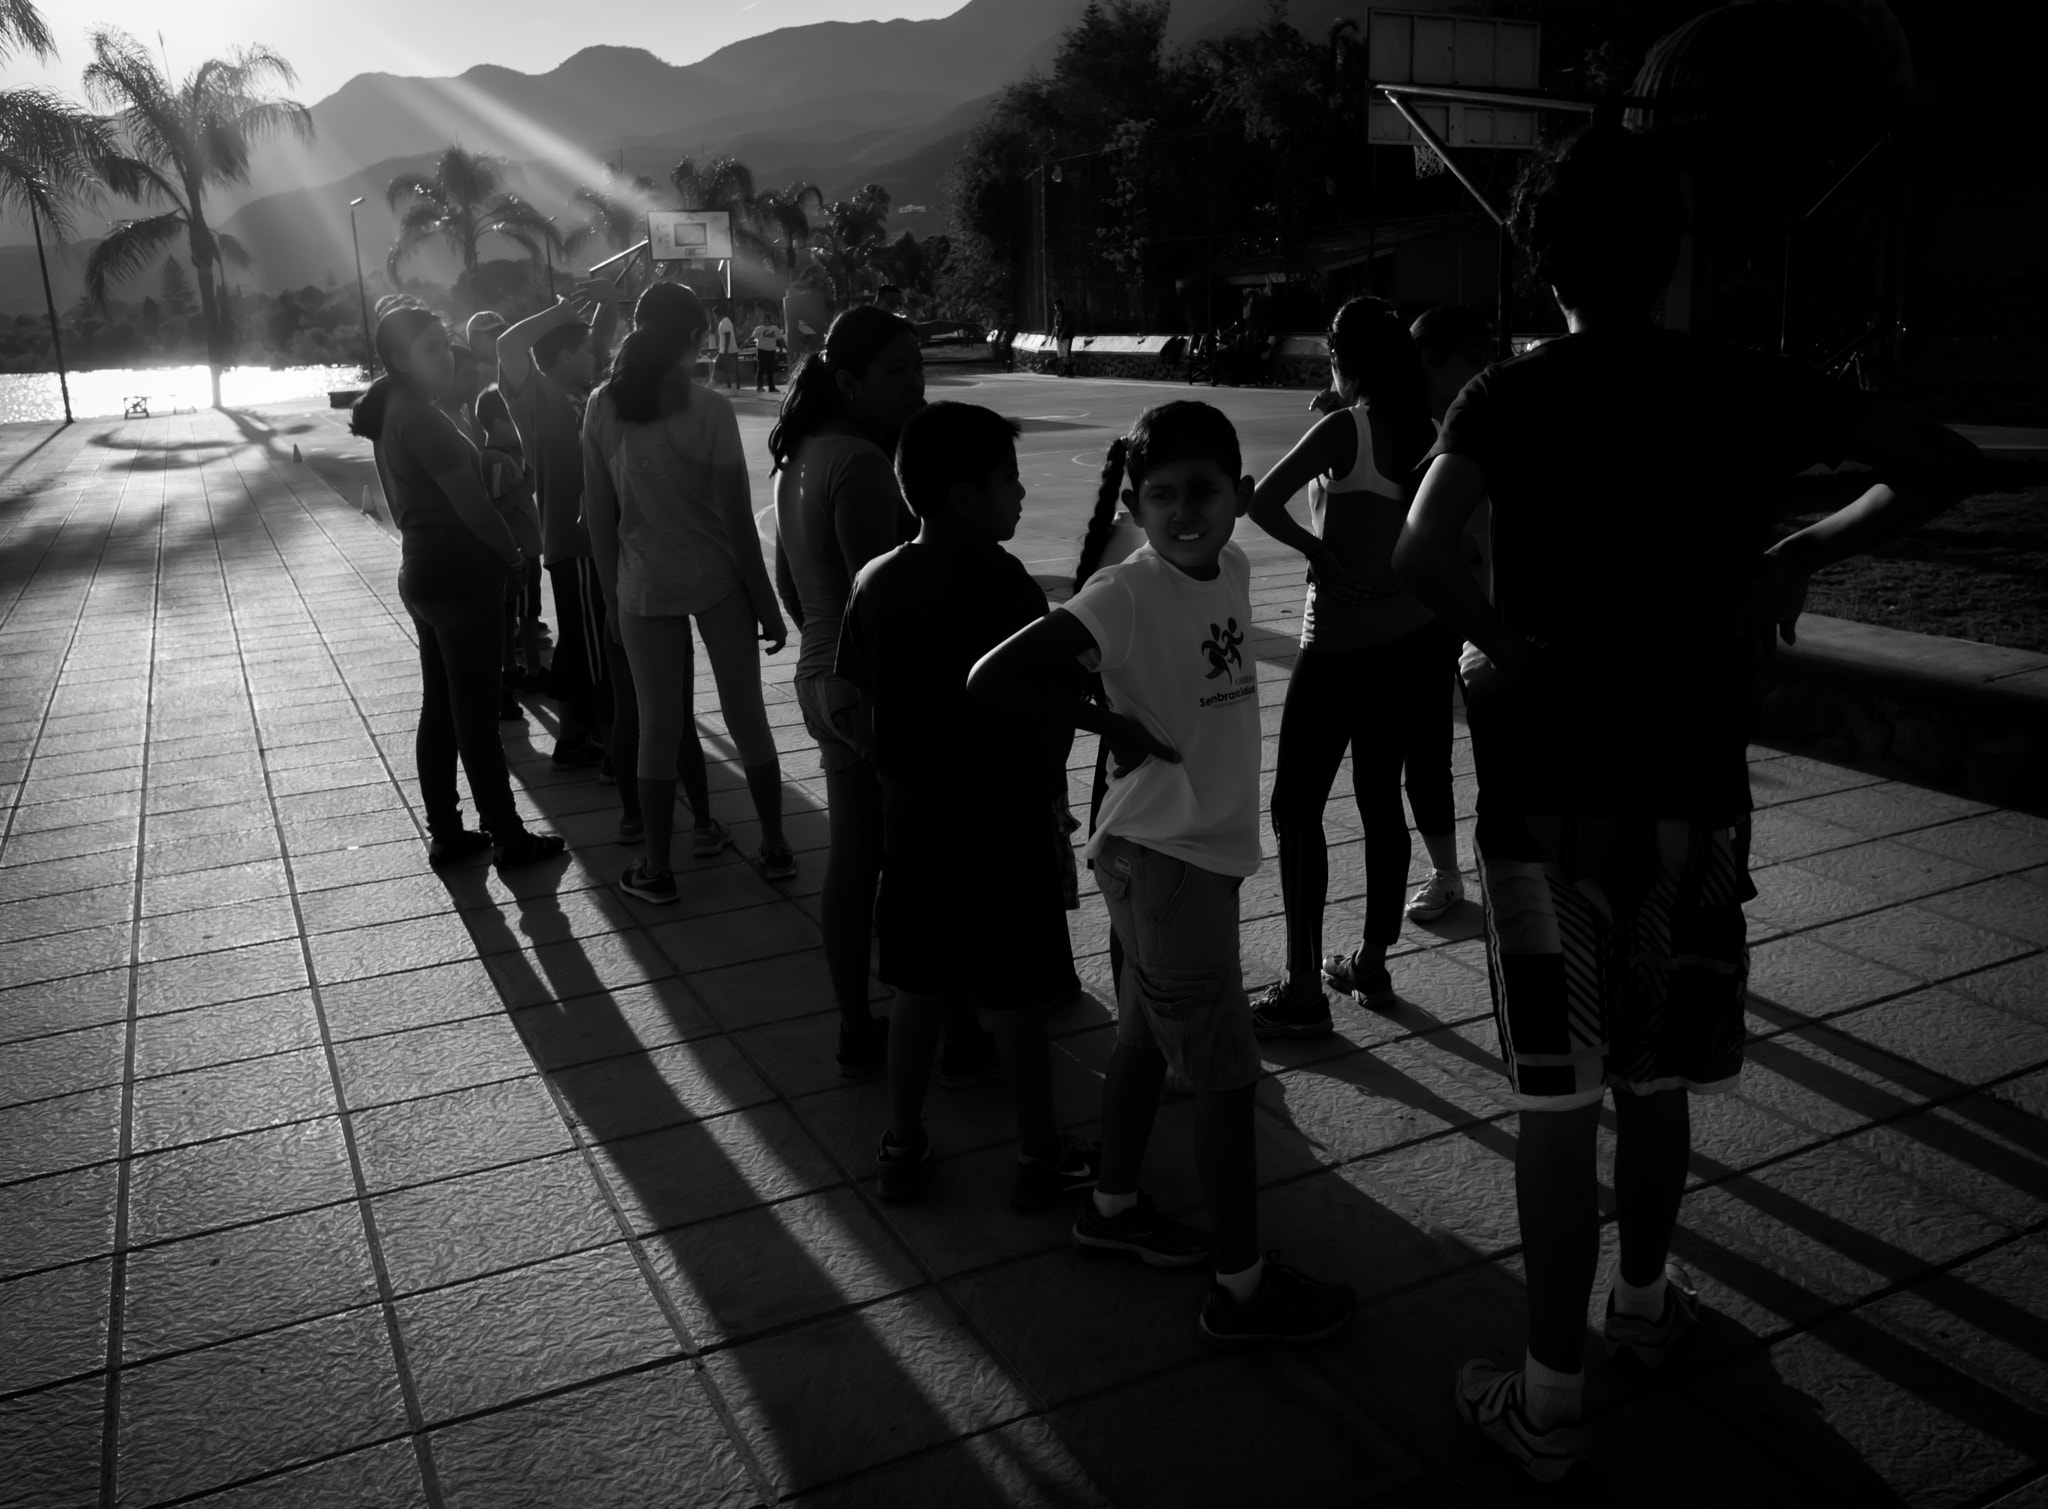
(1031,673)
(785,584)
(1923,468)
(515,345)
(1330,448)
(735,494)
(601,513)
(1430,558)
(866,514)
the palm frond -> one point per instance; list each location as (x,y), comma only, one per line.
(128,248)
(423,218)
(407,186)
(232,251)
(22,26)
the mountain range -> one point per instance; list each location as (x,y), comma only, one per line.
(837,104)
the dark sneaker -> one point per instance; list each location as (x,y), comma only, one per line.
(509,710)
(454,848)
(1489,1399)
(1369,985)
(631,830)
(1651,1342)
(1140,1231)
(606,775)
(1277,1014)
(865,1053)
(903,1168)
(969,1060)
(530,849)
(1042,1186)
(1288,1306)
(649,884)
(709,843)
(778,862)
(576,753)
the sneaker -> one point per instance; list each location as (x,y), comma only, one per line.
(1277,1014)
(709,843)
(903,1168)
(509,710)
(866,1052)
(1041,1186)
(1651,1342)
(606,775)
(631,830)
(1288,1306)
(1140,1231)
(1435,896)
(969,1059)
(577,752)
(1369,987)
(529,849)
(452,848)
(649,884)
(778,863)
(1489,1399)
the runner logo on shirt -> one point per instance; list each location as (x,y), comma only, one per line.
(1222,649)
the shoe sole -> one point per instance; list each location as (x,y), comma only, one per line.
(700,850)
(639,895)
(1105,1249)
(626,839)
(1546,1470)
(775,873)
(1243,1343)
(1430,914)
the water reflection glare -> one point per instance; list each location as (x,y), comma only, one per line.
(97,394)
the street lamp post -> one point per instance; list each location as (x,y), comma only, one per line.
(362,296)
(548,250)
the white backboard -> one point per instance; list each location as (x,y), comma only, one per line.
(1471,52)
(689,235)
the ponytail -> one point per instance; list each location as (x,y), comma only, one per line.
(855,342)
(1103,521)
(668,328)
(1377,356)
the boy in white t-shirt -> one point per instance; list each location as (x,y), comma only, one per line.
(1177,834)
(728,351)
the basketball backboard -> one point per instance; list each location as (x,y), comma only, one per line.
(689,235)
(1469,52)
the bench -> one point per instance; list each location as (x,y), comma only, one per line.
(137,407)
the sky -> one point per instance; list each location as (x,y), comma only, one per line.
(330,44)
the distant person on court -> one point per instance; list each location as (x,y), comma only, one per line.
(672,525)
(728,360)
(837,507)
(455,554)
(1179,832)
(1063,335)
(546,365)
(994,934)
(1608,681)
(767,354)
(1372,680)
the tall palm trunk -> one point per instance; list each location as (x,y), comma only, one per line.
(209,300)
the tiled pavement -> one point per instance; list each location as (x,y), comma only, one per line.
(325,1180)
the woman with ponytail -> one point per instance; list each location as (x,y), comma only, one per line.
(670,511)
(457,554)
(1371,676)
(837,507)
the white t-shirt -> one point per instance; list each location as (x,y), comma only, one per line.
(767,338)
(725,337)
(1173,657)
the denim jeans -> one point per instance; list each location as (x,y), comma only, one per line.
(458,616)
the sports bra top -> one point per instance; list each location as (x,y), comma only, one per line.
(1359,516)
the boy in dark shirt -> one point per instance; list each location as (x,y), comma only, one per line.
(970,900)
(1631,472)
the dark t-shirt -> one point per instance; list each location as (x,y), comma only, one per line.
(418,444)
(953,769)
(1633,478)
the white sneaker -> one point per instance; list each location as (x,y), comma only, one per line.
(1489,1399)
(1443,890)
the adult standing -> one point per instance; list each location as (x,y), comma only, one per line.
(1063,335)
(728,349)
(672,525)
(837,507)
(767,353)
(456,552)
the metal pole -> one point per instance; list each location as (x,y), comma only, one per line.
(1436,145)
(50,302)
(1044,251)
(1506,345)
(362,295)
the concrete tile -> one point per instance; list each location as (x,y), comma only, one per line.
(661,1087)
(548,918)
(1812,979)
(378,1477)
(55,877)
(321,835)
(578,967)
(1459,1187)
(742,1274)
(42,787)
(340,801)
(195,889)
(316,872)
(64,1005)
(1783,833)
(354,906)
(59,954)
(178,856)
(712,1168)
(259,969)
(213,1288)
(871,1385)
(430,1060)
(173,1042)
(204,822)
(416,998)
(1890,869)
(60,1218)
(1022,1464)
(507,1337)
(622,1444)
(208,929)
(1977,1150)
(769,990)
(50,1136)
(460,1229)
(40,916)
(51,1444)
(2012,906)
(305,1392)
(2020,987)
(208,1185)
(736,937)
(1992,841)
(103,807)
(56,1325)
(561,1034)
(1930,947)
(330,777)
(1950,1034)
(389,947)
(414,1141)
(64,1064)
(220,1101)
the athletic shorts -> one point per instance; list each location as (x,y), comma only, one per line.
(997,932)
(835,717)
(1181,988)
(1616,954)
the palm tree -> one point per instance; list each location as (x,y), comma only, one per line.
(614,212)
(724,183)
(787,212)
(855,236)
(49,154)
(463,201)
(182,139)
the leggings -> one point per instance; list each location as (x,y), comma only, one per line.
(665,681)
(461,652)
(1391,705)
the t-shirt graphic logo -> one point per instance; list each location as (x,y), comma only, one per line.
(1221,648)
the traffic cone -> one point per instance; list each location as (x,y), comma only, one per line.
(296,456)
